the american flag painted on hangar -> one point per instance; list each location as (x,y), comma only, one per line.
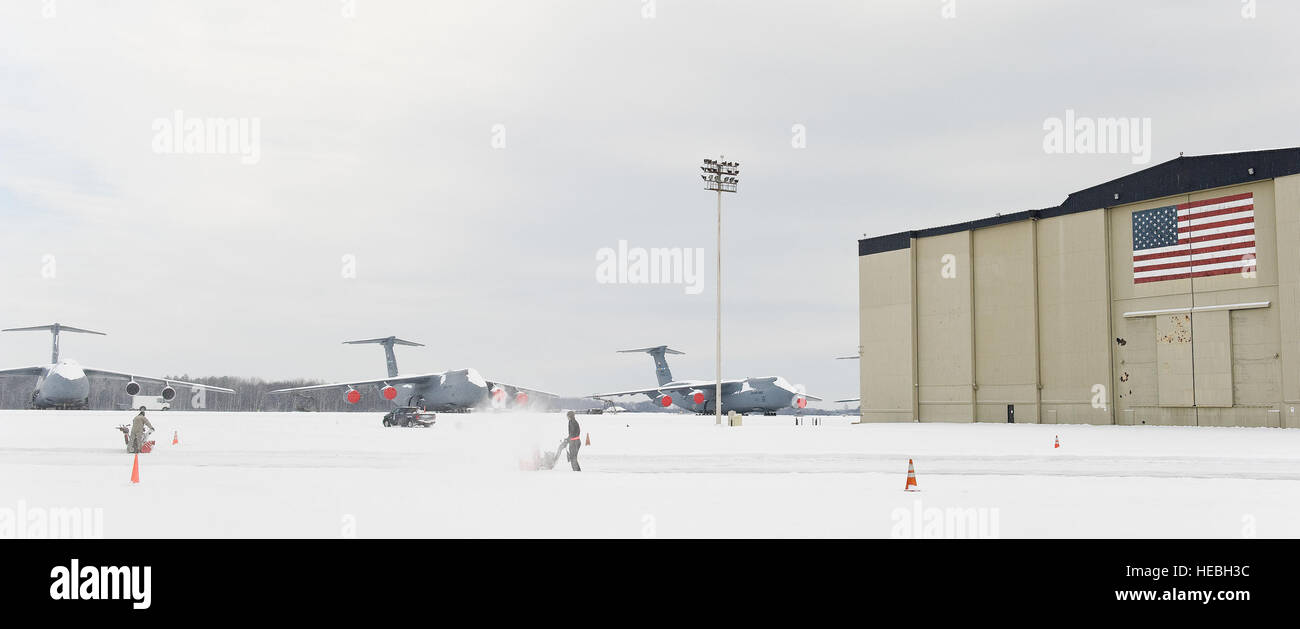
(1197,239)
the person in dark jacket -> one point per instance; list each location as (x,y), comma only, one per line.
(575,442)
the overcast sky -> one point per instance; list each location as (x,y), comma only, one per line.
(377,122)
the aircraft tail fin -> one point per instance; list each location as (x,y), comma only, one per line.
(54,329)
(388,342)
(662,371)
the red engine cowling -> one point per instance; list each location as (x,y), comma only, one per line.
(354,396)
(664,400)
(389,392)
(697,396)
(521,398)
(497,397)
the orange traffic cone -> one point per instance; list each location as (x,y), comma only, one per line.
(1058,442)
(135,470)
(588,438)
(911,478)
(176,437)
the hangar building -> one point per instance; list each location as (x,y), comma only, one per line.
(1170,296)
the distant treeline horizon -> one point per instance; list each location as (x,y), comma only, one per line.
(252,396)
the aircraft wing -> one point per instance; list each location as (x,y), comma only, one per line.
(396,380)
(515,387)
(728,386)
(23,371)
(118,375)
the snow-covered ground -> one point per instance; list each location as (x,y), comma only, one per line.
(342,474)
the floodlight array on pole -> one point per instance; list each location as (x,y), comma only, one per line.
(721,176)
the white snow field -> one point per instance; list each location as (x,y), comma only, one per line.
(330,475)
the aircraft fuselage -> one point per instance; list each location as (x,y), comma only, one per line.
(449,391)
(756,395)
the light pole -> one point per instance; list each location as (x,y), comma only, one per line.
(721,176)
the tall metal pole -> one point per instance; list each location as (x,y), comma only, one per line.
(1191,322)
(717,394)
(721,176)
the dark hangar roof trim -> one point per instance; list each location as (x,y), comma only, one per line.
(1182,175)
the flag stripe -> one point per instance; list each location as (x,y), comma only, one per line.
(1234,265)
(1209,242)
(1219,212)
(1209,258)
(1183,276)
(1228,199)
(1219,236)
(1193,227)
(1213,234)
(1199,253)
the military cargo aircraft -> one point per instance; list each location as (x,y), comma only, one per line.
(450,391)
(65,384)
(765,395)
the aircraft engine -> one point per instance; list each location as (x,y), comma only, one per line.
(168,393)
(664,400)
(389,392)
(354,396)
(697,396)
(521,398)
(132,387)
(800,397)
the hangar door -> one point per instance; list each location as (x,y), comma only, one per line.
(1194,359)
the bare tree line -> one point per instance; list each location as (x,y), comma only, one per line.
(251,395)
